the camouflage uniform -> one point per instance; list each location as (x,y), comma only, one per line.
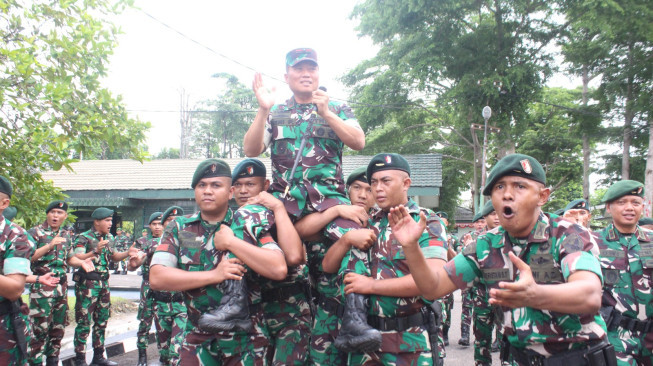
(447,301)
(328,309)
(468,296)
(187,244)
(16,249)
(49,305)
(627,264)
(413,344)
(93,296)
(170,320)
(484,322)
(318,182)
(122,245)
(146,305)
(555,249)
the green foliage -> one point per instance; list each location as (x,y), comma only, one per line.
(168,153)
(220,132)
(52,57)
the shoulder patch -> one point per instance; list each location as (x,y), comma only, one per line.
(572,243)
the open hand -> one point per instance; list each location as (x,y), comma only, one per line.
(404,228)
(48,279)
(520,293)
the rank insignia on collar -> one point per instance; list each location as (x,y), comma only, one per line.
(526,165)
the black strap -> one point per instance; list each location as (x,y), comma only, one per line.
(330,305)
(163,296)
(399,323)
(282,293)
(5,307)
(614,319)
(575,357)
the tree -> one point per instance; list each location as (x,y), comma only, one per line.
(52,105)
(168,153)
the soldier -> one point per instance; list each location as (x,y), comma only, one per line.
(531,263)
(170,314)
(578,211)
(484,318)
(409,333)
(626,252)
(122,243)
(16,248)
(49,300)
(468,294)
(192,258)
(146,305)
(448,301)
(92,288)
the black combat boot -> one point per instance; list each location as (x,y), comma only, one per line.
(80,359)
(464,335)
(99,360)
(233,311)
(495,346)
(52,361)
(355,334)
(142,357)
(445,334)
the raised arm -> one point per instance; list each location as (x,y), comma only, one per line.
(253,144)
(352,136)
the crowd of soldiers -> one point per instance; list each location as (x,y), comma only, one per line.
(311,268)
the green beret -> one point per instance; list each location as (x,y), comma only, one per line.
(172,211)
(101,213)
(210,168)
(519,165)
(5,186)
(357,174)
(623,188)
(477,217)
(559,212)
(10,212)
(442,214)
(579,204)
(387,161)
(248,168)
(487,208)
(57,204)
(641,222)
(155,216)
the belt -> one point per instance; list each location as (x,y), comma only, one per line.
(9,307)
(614,318)
(146,276)
(398,323)
(282,293)
(163,296)
(330,305)
(94,276)
(568,358)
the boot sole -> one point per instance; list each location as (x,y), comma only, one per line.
(207,324)
(365,344)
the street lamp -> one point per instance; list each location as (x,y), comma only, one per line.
(487,113)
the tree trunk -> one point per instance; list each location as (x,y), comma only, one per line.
(586,140)
(648,173)
(628,121)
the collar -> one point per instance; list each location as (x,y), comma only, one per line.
(378,214)
(539,234)
(198,217)
(613,234)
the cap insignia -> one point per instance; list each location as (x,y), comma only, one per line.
(388,159)
(213,168)
(526,165)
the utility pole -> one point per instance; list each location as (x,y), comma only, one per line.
(486,113)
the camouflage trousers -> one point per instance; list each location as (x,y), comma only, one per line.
(424,358)
(10,352)
(632,347)
(324,332)
(468,303)
(288,321)
(49,320)
(170,320)
(93,304)
(146,309)
(484,323)
(447,305)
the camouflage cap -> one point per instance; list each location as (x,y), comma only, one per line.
(172,211)
(487,209)
(10,213)
(579,204)
(519,165)
(210,168)
(5,186)
(300,54)
(357,174)
(643,221)
(623,188)
(57,204)
(442,214)
(387,161)
(155,216)
(101,213)
(248,168)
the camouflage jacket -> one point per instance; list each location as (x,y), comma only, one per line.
(388,261)
(627,265)
(122,243)
(320,168)
(148,246)
(554,249)
(88,241)
(55,261)
(16,249)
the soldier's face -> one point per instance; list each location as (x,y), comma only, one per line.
(168,220)
(244,188)
(492,220)
(390,188)
(626,211)
(56,217)
(103,226)
(156,228)
(212,194)
(480,224)
(303,78)
(360,194)
(517,202)
(579,216)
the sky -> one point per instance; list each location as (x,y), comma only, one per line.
(153,62)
